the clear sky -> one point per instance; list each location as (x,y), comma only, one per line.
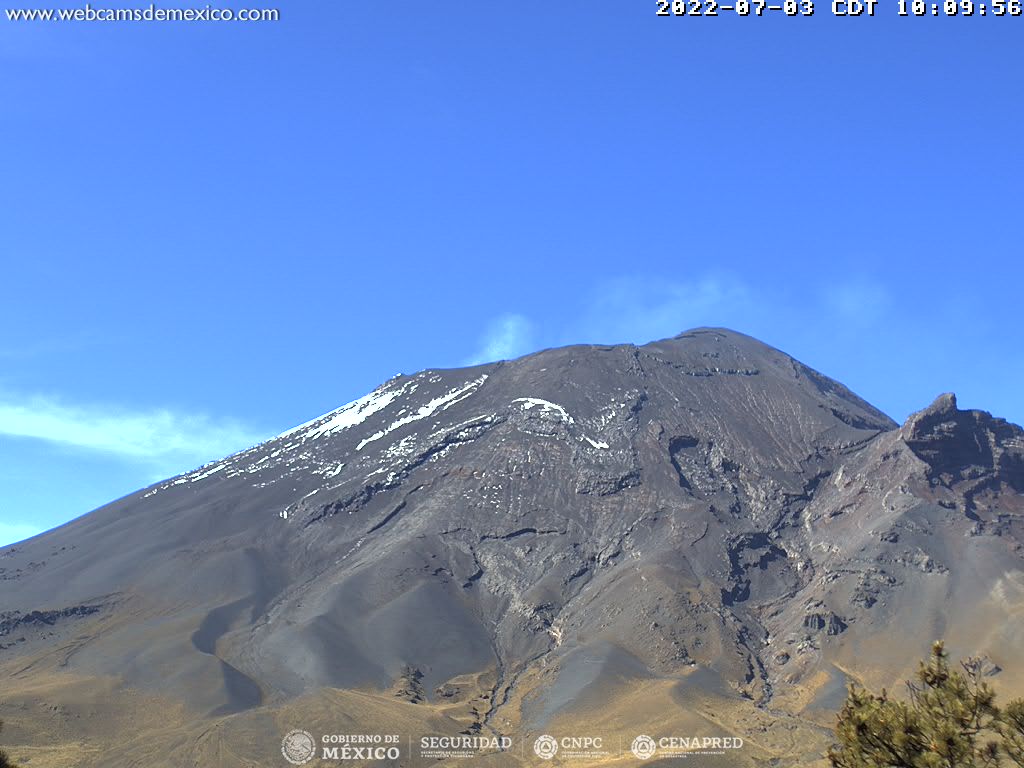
(212,232)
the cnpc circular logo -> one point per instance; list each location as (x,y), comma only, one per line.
(643,747)
(298,747)
(545,747)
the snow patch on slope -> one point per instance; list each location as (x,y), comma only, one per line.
(350,415)
(437,404)
(546,405)
(292,447)
(196,474)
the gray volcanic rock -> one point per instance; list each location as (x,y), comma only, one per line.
(962,445)
(565,521)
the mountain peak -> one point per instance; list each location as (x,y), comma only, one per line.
(703,516)
(712,330)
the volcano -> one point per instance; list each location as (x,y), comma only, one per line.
(698,536)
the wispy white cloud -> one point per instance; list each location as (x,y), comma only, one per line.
(158,436)
(507,337)
(13,532)
(858,302)
(640,310)
(625,310)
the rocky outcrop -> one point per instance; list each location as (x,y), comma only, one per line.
(966,445)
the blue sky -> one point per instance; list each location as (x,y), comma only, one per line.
(212,232)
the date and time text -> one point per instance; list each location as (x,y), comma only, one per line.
(838,7)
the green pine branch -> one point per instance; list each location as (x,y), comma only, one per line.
(949,720)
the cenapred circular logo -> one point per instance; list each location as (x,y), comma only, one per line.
(298,747)
(643,747)
(545,747)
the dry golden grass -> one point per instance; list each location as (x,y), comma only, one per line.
(56,719)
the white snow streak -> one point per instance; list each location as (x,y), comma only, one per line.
(197,474)
(530,402)
(438,403)
(348,416)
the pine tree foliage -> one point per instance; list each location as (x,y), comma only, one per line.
(1010,727)
(949,720)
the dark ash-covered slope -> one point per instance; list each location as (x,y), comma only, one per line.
(699,504)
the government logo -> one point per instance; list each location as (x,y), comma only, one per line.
(545,747)
(643,747)
(298,747)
